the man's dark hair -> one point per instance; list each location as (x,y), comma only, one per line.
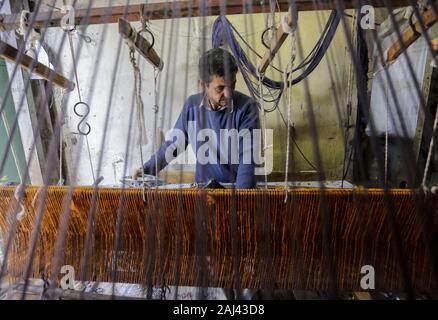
(216,62)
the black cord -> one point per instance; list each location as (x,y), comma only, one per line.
(263,35)
(310,62)
(296,144)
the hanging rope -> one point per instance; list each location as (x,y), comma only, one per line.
(429,154)
(348,148)
(263,124)
(139,99)
(288,71)
(270,24)
(61,179)
(386,136)
(140,110)
(156,74)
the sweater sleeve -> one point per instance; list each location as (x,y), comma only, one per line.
(245,172)
(172,147)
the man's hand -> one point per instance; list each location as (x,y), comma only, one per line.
(140,171)
(137,173)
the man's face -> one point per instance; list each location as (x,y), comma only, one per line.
(220,90)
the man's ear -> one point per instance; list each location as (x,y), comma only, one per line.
(202,84)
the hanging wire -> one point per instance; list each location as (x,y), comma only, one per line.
(348,147)
(288,97)
(61,179)
(85,105)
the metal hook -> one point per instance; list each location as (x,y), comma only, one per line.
(83,116)
(144,25)
(152,36)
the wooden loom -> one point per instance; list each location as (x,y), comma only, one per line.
(261,243)
(249,239)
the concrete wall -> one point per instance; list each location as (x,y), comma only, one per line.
(106,81)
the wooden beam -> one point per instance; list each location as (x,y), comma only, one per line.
(10,53)
(140,44)
(410,35)
(179,9)
(276,42)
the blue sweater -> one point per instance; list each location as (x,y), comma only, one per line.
(217,156)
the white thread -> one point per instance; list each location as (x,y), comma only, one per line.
(17,194)
(288,71)
(386,136)
(156,74)
(80,100)
(429,154)
(263,124)
(140,111)
(14,155)
(286,27)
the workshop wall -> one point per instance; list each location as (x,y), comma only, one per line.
(106,82)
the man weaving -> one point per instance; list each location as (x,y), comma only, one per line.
(219,123)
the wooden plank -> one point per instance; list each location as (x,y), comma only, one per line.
(10,53)
(140,44)
(434,44)
(410,35)
(178,9)
(276,43)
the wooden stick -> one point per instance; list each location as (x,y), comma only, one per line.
(434,43)
(10,53)
(140,44)
(177,9)
(410,35)
(276,42)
